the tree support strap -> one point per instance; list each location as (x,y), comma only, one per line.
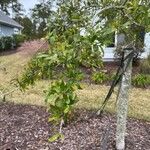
(120,71)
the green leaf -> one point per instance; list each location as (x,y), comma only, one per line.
(42,56)
(62,137)
(53,119)
(109,30)
(59,103)
(51,98)
(67,109)
(55,137)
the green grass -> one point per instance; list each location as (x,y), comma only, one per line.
(90,97)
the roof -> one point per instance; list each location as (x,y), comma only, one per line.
(6,20)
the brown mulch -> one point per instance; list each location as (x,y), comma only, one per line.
(112,67)
(24,127)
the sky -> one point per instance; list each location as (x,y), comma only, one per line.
(28,4)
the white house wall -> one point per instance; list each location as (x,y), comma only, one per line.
(147,46)
(109,52)
(6,30)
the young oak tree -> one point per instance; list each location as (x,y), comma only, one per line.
(69,49)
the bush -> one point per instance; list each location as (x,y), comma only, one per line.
(1,45)
(145,66)
(141,80)
(99,77)
(18,39)
(6,43)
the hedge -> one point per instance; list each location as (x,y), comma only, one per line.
(10,42)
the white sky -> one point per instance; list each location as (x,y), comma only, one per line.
(28,4)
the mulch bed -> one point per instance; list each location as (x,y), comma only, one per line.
(112,67)
(24,127)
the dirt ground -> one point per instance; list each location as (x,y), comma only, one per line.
(31,47)
(25,127)
(28,48)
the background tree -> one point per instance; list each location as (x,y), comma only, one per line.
(42,29)
(11,6)
(29,28)
(40,14)
(4,5)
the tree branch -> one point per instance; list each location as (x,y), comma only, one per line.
(111,7)
(61,125)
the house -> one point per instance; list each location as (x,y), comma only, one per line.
(8,26)
(109,51)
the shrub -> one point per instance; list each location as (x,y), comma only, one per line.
(145,66)
(6,43)
(1,45)
(99,77)
(18,39)
(141,80)
(112,76)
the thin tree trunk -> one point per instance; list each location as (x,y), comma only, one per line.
(122,104)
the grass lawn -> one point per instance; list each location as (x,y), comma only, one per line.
(90,97)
